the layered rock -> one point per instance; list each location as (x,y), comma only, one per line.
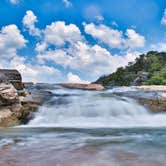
(8,94)
(153,97)
(10,106)
(157,101)
(17,105)
(11,76)
(16,109)
(97,87)
(151,87)
(156,105)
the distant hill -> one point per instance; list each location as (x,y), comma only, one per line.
(148,69)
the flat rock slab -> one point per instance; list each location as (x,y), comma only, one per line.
(154,97)
(97,87)
(152,87)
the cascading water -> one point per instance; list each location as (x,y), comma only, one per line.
(87,128)
(76,108)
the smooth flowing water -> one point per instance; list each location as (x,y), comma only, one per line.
(87,128)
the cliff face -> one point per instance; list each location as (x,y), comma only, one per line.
(13,77)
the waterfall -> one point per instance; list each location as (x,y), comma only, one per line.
(90,109)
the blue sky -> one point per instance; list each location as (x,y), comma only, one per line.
(77,41)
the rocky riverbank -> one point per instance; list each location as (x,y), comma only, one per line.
(18,104)
(19,101)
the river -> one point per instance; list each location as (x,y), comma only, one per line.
(87,128)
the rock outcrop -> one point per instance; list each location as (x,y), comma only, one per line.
(10,106)
(11,76)
(97,87)
(8,94)
(153,97)
(31,103)
(151,87)
(17,104)
(157,101)
(18,109)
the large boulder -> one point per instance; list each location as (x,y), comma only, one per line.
(10,106)
(11,76)
(8,94)
(10,115)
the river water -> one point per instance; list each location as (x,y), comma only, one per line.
(87,128)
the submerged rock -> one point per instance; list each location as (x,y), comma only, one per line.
(97,87)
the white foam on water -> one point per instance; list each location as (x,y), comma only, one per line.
(91,110)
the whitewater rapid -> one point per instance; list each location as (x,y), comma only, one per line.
(91,109)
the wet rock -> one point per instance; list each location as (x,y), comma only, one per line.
(97,87)
(153,97)
(32,102)
(157,101)
(37,96)
(157,104)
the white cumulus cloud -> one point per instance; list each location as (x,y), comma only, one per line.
(58,33)
(29,21)
(73,78)
(163,20)
(159,46)
(67,3)
(63,45)
(14,1)
(115,38)
(32,72)
(105,34)
(10,41)
(91,61)
(134,39)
